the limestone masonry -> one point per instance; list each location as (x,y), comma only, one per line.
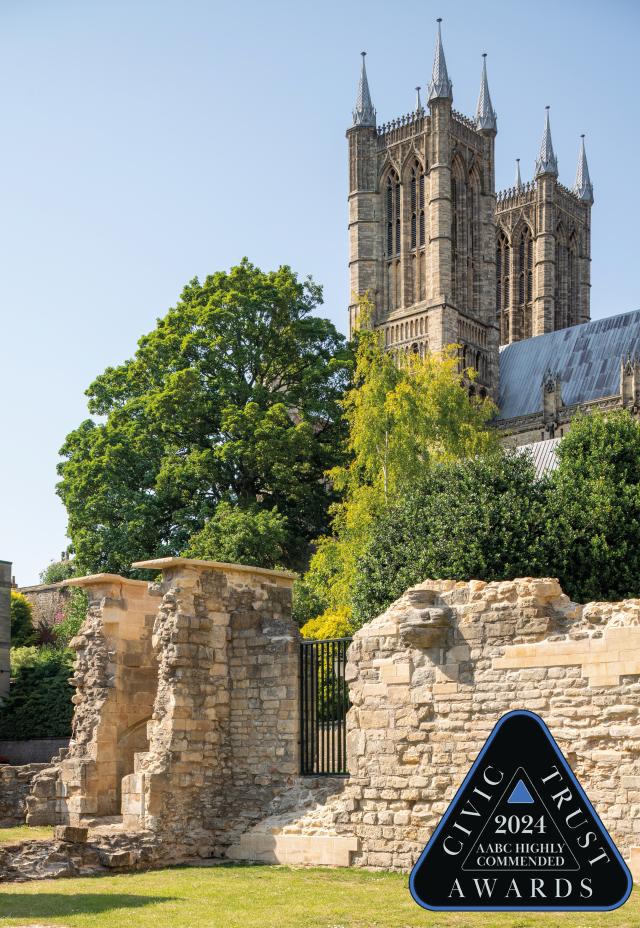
(186,730)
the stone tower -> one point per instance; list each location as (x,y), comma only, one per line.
(543,249)
(422,228)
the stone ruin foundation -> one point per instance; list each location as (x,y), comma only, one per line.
(186,731)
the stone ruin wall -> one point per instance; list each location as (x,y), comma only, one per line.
(209,658)
(429,679)
(48,602)
(186,711)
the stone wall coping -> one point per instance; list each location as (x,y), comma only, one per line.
(42,587)
(162,563)
(98,579)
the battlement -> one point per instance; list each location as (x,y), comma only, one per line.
(401,128)
(516,196)
(465,120)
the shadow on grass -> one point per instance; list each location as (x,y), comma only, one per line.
(53,905)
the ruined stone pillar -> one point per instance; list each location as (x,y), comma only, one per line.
(224,737)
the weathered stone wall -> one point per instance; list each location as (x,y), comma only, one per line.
(186,718)
(48,602)
(224,736)
(15,784)
(429,679)
(209,657)
(116,678)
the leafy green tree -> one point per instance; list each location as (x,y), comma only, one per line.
(22,632)
(57,571)
(241,536)
(233,398)
(593,521)
(405,416)
(479,518)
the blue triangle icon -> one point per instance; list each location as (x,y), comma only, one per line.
(520,794)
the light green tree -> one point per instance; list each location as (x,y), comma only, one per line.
(405,414)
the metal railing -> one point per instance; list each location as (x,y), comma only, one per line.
(324,701)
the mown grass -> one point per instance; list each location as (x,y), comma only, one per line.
(236,896)
(25,833)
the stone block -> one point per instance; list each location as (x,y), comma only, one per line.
(70,834)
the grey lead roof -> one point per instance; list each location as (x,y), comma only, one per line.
(543,454)
(586,357)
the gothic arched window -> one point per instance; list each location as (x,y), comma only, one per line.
(417,205)
(503,260)
(525,281)
(392,217)
(473,248)
(393,214)
(561,292)
(572,280)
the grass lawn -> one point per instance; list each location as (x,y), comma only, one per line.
(25,833)
(237,896)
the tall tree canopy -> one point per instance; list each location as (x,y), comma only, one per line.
(405,416)
(232,399)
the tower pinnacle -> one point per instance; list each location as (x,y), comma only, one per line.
(583,186)
(419,106)
(364,113)
(547,163)
(485,113)
(440,87)
(518,178)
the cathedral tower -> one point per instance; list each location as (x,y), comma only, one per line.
(422,223)
(543,249)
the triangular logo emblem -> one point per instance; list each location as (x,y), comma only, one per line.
(520,834)
(520,795)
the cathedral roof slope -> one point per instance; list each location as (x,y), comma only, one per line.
(543,454)
(585,357)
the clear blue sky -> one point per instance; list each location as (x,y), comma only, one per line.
(146,141)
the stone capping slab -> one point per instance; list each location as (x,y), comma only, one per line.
(43,587)
(163,563)
(98,579)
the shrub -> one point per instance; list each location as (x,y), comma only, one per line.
(331,624)
(480,519)
(39,702)
(593,518)
(21,625)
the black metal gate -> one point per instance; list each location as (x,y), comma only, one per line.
(324,700)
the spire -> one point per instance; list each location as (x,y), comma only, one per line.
(440,87)
(485,113)
(518,178)
(583,187)
(546,163)
(419,106)
(364,114)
